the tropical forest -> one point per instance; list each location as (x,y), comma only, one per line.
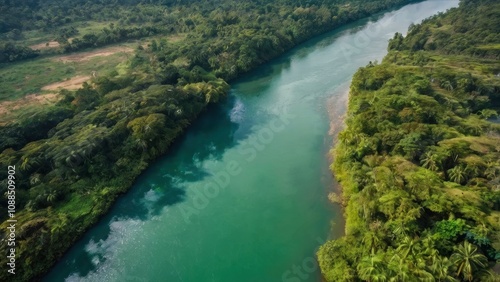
(419,159)
(116,114)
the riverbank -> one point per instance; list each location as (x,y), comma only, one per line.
(337,110)
(418,178)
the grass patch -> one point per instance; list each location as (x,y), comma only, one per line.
(467,64)
(489,47)
(28,77)
(78,205)
(93,26)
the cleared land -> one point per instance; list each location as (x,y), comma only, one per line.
(30,84)
(70,84)
(46,45)
(8,109)
(47,74)
(101,52)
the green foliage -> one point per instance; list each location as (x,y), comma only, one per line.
(10,53)
(32,126)
(457,33)
(450,229)
(417,161)
(75,158)
(468,261)
(23,78)
(227,42)
(80,155)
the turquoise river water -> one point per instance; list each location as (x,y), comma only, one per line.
(242,195)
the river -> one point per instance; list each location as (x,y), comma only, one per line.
(242,195)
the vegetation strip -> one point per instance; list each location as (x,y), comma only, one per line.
(419,160)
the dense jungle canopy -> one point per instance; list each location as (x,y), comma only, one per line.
(419,159)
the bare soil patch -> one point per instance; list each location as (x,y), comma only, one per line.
(41,46)
(85,56)
(70,84)
(29,100)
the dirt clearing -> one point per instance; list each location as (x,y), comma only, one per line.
(102,52)
(70,84)
(29,100)
(41,46)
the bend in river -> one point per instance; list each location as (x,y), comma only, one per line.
(242,196)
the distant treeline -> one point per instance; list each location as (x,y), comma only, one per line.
(136,19)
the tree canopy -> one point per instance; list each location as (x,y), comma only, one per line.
(419,159)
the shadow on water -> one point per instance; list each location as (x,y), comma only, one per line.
(207,138)
(161,185)
(259,80)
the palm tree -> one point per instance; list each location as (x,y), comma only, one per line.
(409,247)
(366,206)
(400,228)
(51,196)
(487,113)
(472,171)
(436,266)
(491,170)
(429,161)
(447,85)
(25,165)
(428,249)
(59,225)
(141,144)
(465,84)
(371,268)
(74,159)
(457,174)
(372,240)
(483,89)
(440,269)
(400,269)
(468,261)
(35,179)
(410,268)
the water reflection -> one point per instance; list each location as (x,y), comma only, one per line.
(161,186)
